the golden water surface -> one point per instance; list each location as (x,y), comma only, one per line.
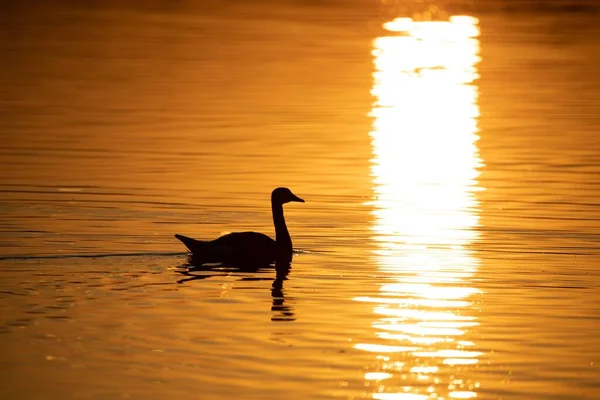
(450,163)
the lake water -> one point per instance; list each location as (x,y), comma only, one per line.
(449,245)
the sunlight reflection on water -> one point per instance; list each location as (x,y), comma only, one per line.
(425,167)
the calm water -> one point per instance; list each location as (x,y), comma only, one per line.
(448,248)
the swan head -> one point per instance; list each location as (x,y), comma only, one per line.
(283,195)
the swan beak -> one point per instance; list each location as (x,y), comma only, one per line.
(298,199)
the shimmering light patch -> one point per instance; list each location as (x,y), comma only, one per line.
(453,324)
(460,361)
(431,291)
(423,315)
(399,396)
(424,370)
(393,366)
(379,348)
(412,339)
(377,376)
(461,26)
(448,353)
(419,329)
(462,395)
(425,168)
(414,302)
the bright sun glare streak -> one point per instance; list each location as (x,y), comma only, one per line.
(425,169)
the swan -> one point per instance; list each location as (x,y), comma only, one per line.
(248,248)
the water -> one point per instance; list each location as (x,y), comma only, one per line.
(448,247)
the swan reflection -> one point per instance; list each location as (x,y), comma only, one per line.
(281,308)
(425,167)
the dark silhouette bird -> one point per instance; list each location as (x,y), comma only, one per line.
(248,249)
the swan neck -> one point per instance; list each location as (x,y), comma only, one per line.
(282,236)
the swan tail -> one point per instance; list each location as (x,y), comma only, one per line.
(193,245)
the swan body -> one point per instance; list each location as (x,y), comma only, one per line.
(248,248)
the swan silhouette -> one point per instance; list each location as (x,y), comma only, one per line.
(248,248)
